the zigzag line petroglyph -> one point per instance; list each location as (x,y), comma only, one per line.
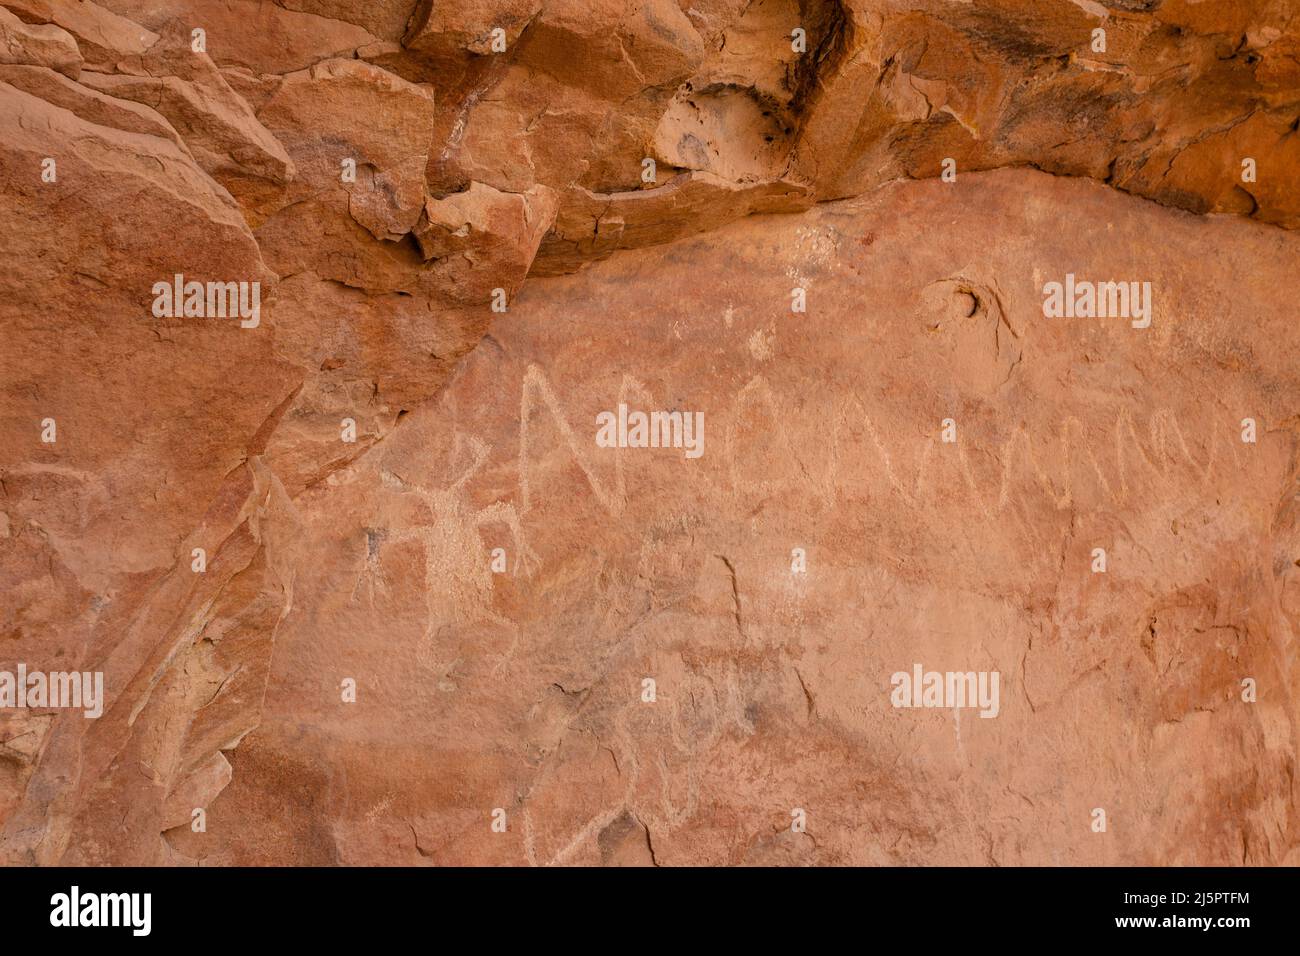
(535,386)
(1166,455)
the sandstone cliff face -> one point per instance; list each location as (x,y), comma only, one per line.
(790,217)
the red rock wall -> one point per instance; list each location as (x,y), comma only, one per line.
(726,208)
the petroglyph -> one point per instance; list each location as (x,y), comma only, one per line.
(536,389)
(1106,461)
(1081,473)
(458,580)
(371,576)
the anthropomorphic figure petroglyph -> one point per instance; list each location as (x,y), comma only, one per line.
(458,578)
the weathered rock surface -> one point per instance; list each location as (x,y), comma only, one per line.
(522,690)
(102,37)
(389,174)
(38,45)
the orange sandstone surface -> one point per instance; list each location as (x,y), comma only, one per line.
(965,337)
